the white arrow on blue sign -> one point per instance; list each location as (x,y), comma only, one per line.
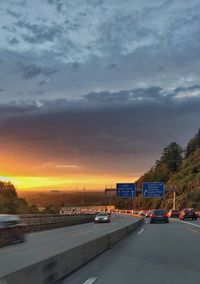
(153,189)
(125,190)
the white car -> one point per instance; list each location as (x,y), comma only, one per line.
(102,217)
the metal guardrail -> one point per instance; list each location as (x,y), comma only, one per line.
(41,222)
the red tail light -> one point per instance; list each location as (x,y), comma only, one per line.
(165,215)
(152,215)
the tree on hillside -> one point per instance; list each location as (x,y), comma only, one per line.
(7,186)
(10,203)
(172,157)
(166,166)
(193,145)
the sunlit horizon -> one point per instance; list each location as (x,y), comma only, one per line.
(44,183)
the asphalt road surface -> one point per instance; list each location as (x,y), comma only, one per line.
(43,245)
(155,253)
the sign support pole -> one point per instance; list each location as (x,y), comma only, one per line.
(174,200)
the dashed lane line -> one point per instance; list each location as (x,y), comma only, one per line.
(192,230)
(141,231)
(90,280)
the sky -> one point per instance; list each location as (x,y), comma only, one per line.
(91,91)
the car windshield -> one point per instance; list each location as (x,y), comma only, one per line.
(102,214)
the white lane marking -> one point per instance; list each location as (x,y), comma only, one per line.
(141,231)
(192,230)
(90,280)
(188,223)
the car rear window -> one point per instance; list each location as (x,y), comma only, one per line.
(159,212)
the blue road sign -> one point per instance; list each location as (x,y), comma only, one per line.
(125,190)
(153,189)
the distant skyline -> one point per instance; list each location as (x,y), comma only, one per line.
(91,91)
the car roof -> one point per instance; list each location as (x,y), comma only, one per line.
(8,217)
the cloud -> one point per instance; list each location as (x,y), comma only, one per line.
(13,13)
(58,4)
(42,83)
(33,70)
(99,81)
(13,41)
(124,132)
(38,33)
(100,45)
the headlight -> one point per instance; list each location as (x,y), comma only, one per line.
(106,218)
(96,219)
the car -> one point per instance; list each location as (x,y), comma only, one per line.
(142,213)
(148,214)
(12,229)
(198,214)
(102,217)
(159,215)
(173,213)
(188,213)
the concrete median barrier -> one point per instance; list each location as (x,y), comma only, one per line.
(55,269)
(35,223)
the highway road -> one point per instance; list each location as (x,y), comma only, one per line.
(155,253)
(43,245)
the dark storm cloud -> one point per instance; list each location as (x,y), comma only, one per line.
(127,96)
(32,70)
(187,89)
(125,125)
(13,109)
(103,97)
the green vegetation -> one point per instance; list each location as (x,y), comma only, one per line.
(179,169)
(169,164)
(10,203)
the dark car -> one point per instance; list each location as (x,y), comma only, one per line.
(11,229)
(188,214)
(174,213)
(159,215)
(102,217)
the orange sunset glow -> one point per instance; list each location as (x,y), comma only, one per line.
(31,171)
(64,183)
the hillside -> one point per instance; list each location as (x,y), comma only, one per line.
(179,169)
(187,181)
